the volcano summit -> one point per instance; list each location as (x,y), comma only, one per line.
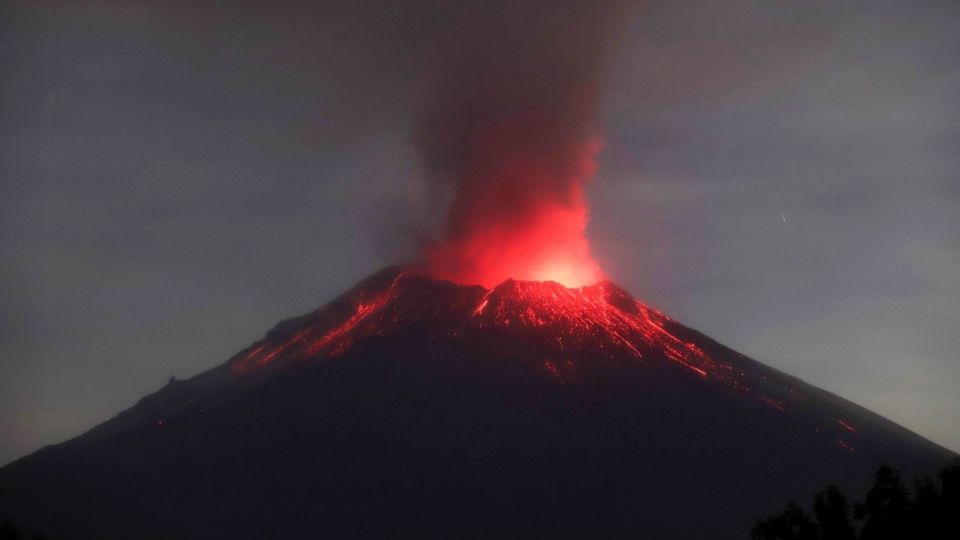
(416,407)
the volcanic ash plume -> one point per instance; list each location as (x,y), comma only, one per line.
(508,132)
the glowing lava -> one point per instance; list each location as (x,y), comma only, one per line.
(564,332)
(600,319)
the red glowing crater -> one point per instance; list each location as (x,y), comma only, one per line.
(551,246)
(524,220)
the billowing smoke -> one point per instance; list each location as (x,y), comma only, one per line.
(508,131)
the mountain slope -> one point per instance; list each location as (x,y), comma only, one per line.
(416,407)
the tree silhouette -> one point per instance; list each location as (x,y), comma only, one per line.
(948,506)
(888,511)
(925,512)
(791,524)
(8,531)
(832,512)
(885,511)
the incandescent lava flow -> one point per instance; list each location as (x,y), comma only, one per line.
(562,332)
(599,320)
(565,333)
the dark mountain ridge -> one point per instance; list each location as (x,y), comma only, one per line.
(416,407)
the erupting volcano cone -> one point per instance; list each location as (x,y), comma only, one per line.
(415,407)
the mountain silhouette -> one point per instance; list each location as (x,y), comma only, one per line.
(415,407)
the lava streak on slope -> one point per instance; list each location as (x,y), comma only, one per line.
(562,332)
(600,317)
(600,320)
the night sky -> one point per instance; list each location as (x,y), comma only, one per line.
(176,177)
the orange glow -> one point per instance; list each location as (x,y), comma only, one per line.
(523,224)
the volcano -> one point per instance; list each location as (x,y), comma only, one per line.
(417,407)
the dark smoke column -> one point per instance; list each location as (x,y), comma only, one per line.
(508,131)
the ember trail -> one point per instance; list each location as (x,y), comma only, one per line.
(573,327)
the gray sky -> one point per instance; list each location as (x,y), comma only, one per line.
(784,176)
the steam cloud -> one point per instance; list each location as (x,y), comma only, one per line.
(507,128)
